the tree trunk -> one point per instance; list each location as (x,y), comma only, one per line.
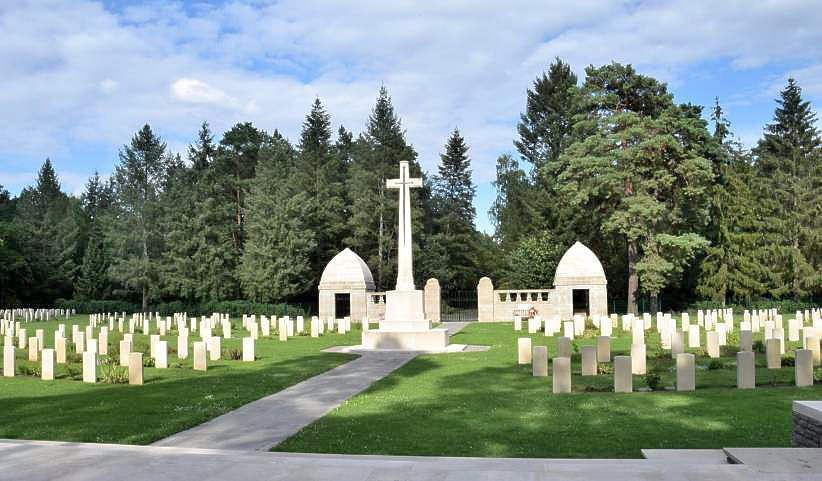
(145,298)
(633,279)
(654,303)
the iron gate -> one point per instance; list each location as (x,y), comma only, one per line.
(456,305)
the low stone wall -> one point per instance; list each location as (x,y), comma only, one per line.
(807,424)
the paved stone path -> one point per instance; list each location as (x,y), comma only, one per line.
(264,423)
(43,460)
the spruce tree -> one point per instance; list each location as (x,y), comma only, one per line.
(221,212)
(134,232)
(320,173)
(546,127)
(373,220)
(45,221)
(276,261)
(789,167)
(733,265)
(454,214)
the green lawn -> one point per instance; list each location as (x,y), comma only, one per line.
(170,401)
(484,404)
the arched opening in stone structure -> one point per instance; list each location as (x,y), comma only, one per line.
(581,302)
(342,305)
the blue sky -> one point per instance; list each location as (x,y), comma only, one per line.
(80,77)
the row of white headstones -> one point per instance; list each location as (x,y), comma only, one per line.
(208,348)
(717,324)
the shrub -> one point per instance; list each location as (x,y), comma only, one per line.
(606,369)
(653,380)
(788,361)
(758,346)
(148,361)
(715,364)
(74,371)
(233,308)
(233,354)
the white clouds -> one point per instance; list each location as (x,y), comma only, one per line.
(195,91)
(77,76)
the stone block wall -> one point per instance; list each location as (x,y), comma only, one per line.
(807,424)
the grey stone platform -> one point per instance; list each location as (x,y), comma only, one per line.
(43,461)
(264,423)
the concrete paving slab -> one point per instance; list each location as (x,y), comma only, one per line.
(686,456)
(779,460)
(264,423)
(43,460)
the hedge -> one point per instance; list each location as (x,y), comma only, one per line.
(233,308)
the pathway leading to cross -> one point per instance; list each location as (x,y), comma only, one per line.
(264,423)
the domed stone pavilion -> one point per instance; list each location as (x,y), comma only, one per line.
(344,287)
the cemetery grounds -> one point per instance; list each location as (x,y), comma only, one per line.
(460,404)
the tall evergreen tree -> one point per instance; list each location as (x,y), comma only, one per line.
(45,220)
(221,211)
(732,266)
(320,173)
(546,127)
(454,214)
(513,206)
(135,230)
(276,261)
(373,219)
(789,163)
(183,228)
(639,168)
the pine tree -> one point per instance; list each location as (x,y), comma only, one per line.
(789,163)
(454,214)
(638,169)
(276,262)
(134,232)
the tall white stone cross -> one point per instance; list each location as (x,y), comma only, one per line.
(405,263)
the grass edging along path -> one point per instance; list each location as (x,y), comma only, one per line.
(484,404)
(170,401)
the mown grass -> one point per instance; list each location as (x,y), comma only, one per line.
(170,401)
(484,404)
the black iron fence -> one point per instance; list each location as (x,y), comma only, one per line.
(457,305)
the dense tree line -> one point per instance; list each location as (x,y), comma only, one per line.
(251,216)
(671,208)
(663,192)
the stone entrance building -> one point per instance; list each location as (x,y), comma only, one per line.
(345,286)
(579,288)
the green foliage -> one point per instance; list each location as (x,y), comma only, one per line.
(653,380)
(652,188)
(789,173)
(134,227)
(276,262)
(715,364)
(533,262)
(454,232)
(234,308)
(111,372)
